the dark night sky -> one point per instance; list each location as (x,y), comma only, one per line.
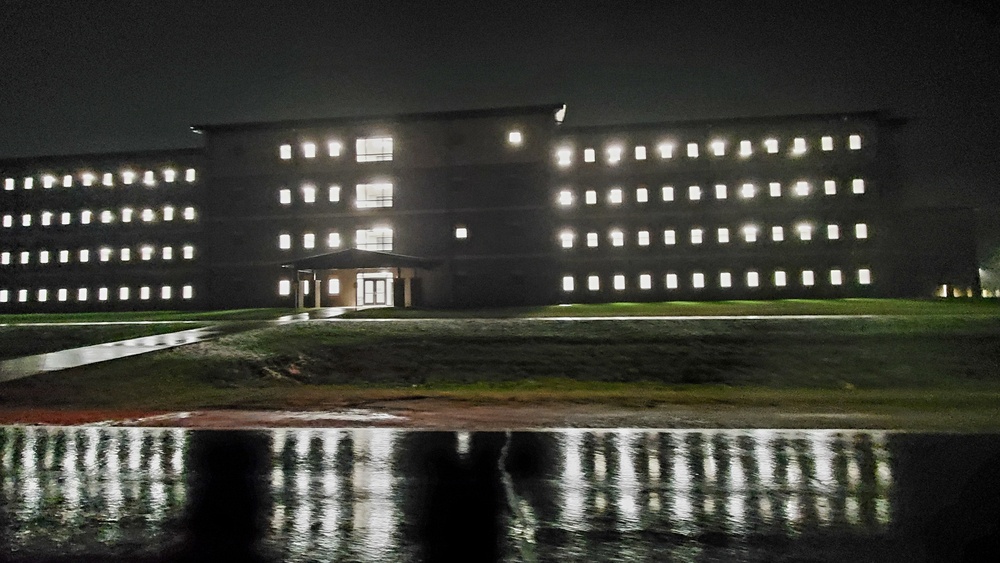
(96,75)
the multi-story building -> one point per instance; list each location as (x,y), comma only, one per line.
(482,207)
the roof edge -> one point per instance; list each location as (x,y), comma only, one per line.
(189,151)
(880,116)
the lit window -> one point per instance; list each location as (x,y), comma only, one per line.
(187,292)
(168,213)
(854,142)
(108,179)
(802,188)
(29,183)
(149,178)
(826,143)
(285,196)
(614,154)
(144,292)
(284,241)
(779,278)
(379,238)
(81,294)
(107,216)
(836,277)
(771,146)
(720,191)
(641,195)
(67,181)
(777,234)
(692,150)
(514,138)
(62,294)
(187,252)
(169,175)
(333,240)
(669,237)
(333,148)
(8,221)
(189,175)
(285,151)
(589,155)
(374,149)
(8,184)
(617,238)
(333,286)
(126,214)
(694,193)
(645,281)
(808,278)
(309,193)
(284,287)
(753,279)
(65,218)
(63,256)
(593,283)
(165,292)
(858,186)
(615,196)
(46,218)
(105,254)
(864,275)
(148,215)
(146,252)
(591,197)
(4,295)
(619,282)
(718,148)
(5,258)
(775,189)
(565,198)
(725,279)
(696,236)
(750,233)
(671,281)
(798,145)
(643,238)
(128,177)
(833,232)
(26,220)
(334,194)
(861,230)
(746,148)
(308,240)
(640,153)
(374,195)
(830,187)
(568,284)
(43,295)
(22,295)
(189,214)
(125,254)
(747,191)
(592,240)
(461,233)
(309,150)
(25,257)
(805,231)
(667,193)
(566,239)
(84,255)
(48,181)
(666,150)
(698,280)
(723,235)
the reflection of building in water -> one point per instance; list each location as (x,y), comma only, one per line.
(66,490)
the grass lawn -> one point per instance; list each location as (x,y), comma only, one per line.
(126,316)
(17,341)
(945,368)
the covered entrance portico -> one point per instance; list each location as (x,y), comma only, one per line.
(358,278)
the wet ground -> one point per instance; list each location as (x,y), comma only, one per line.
(381,494)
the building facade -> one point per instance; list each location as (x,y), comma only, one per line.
(490,207)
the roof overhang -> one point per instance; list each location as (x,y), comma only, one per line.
(355,258)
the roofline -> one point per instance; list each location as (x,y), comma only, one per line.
(138,155)
(880,116)
(399,117)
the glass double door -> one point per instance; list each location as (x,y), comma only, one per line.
(374,289)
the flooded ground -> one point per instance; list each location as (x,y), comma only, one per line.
(386,494)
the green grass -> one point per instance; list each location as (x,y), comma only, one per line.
(17,341)
(120,316)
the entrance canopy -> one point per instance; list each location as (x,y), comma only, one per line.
(355,258)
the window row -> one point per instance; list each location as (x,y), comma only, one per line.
(103,254)
(126,177)
(378,194)
(801,188)
(722,235)
(378,238)
(332,287)
(86,216)
(123,293)
(368,149)
(723,280)
(796,146)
